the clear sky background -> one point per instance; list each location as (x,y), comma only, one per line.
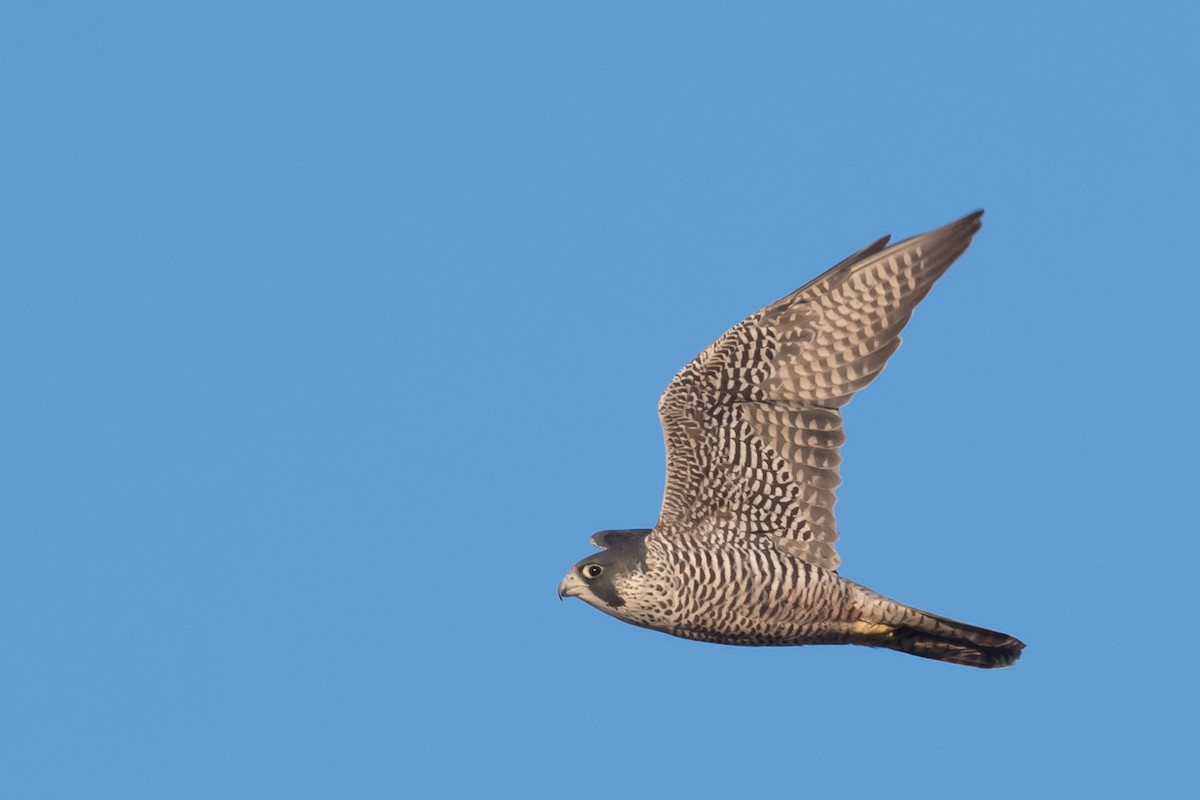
(330,332)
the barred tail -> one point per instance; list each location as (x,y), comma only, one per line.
(957,643)
(920,633)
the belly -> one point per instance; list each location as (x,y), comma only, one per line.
(760,597)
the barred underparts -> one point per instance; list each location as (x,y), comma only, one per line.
(743,552)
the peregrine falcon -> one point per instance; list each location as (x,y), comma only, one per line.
(743,550)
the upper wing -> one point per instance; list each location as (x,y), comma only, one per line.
(752,425)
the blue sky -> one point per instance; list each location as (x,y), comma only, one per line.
(332,331)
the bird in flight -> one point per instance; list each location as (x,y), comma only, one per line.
(743,552)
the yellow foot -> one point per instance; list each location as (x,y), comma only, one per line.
(872,628)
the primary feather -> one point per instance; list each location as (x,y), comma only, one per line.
(743,551)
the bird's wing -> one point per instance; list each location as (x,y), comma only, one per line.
(752,425)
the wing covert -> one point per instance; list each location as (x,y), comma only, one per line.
(752,425)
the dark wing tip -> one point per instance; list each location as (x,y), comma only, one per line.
(964,227)
(968,225)
(947,243)
(606,539)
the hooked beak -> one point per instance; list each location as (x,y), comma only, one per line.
(570,586)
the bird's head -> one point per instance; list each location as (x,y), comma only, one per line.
(598,580)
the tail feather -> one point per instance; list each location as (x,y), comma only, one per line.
(957,643)
(920,633)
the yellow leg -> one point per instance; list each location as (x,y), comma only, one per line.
(872,628)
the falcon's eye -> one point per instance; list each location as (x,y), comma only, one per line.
(592,571)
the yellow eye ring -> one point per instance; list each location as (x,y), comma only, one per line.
(590,571)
